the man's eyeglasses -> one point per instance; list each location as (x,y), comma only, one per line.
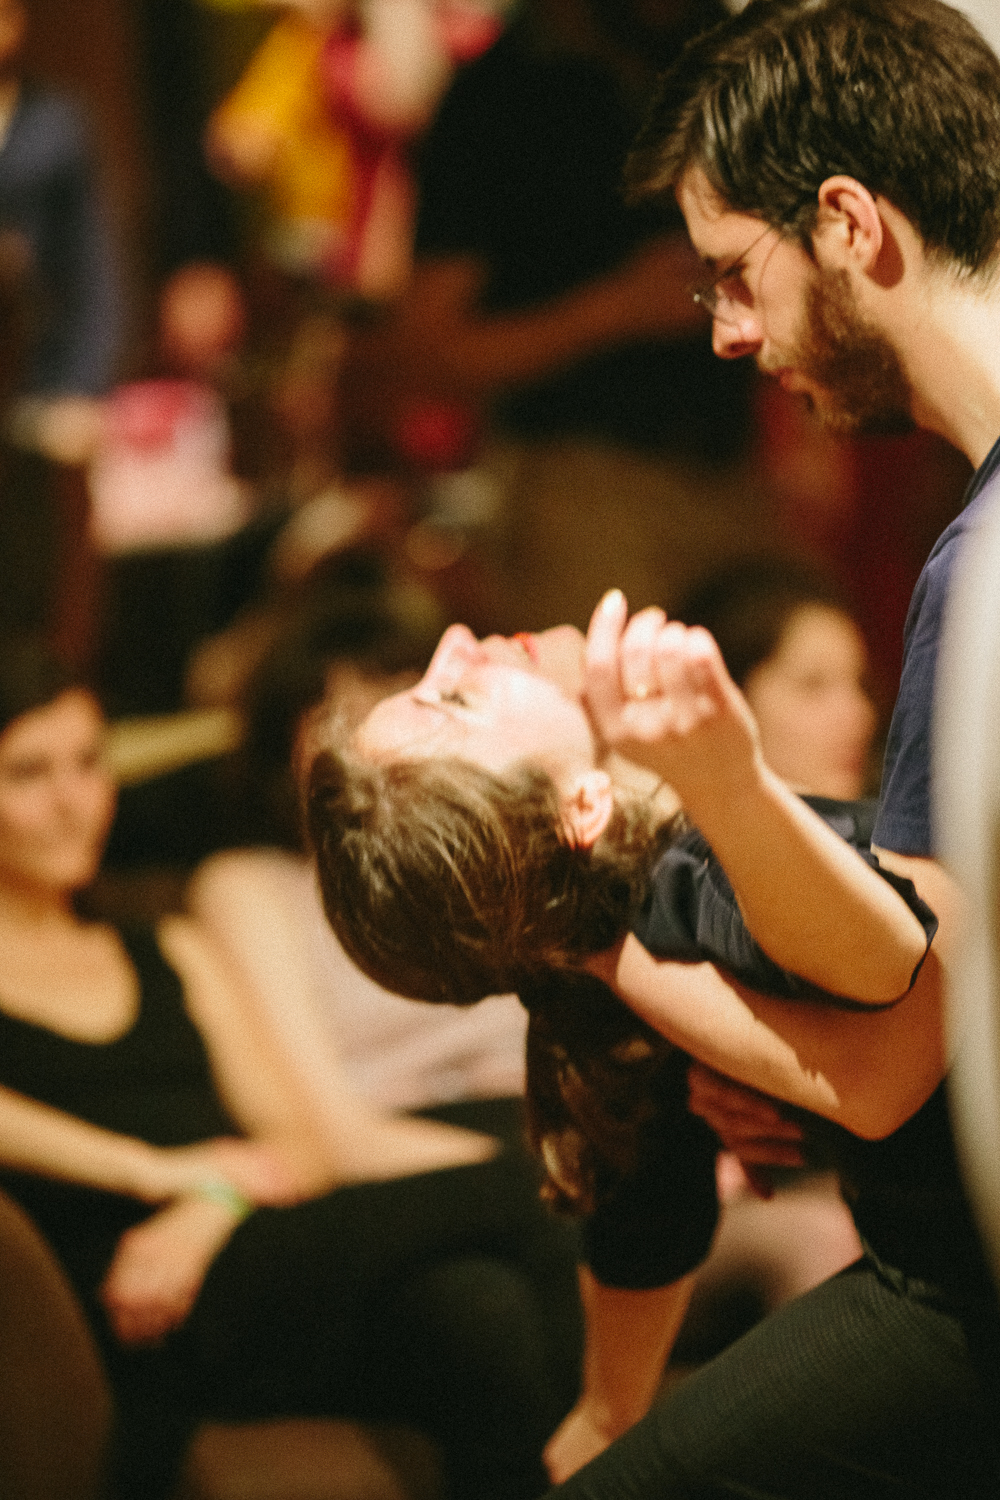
(717,297)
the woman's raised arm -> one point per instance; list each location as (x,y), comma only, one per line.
(660,693)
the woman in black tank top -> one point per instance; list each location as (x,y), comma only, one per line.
(236,1256)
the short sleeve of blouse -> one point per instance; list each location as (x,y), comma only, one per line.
(692,914)
(658,1223)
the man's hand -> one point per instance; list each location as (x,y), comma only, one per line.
(748,1124)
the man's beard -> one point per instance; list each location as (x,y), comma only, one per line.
(858,369)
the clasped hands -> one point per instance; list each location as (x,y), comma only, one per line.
(658,692)
(159,1265)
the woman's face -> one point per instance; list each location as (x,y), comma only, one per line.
(493,702)
(56,796)
(815,717)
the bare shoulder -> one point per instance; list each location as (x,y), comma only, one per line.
(211,986)
(234,874)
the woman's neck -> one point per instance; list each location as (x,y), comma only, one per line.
(30,909)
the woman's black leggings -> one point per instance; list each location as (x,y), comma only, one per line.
(448,1301)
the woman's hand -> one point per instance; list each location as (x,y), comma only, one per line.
(160,1265)
(579,1437)
(659,692)
(258,1171)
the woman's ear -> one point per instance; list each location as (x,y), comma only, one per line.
(586,804)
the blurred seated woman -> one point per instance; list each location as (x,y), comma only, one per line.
(240,1252)
(261,900)
(477,833)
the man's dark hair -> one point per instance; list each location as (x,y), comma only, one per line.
(903,95)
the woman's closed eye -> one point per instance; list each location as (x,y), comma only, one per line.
(26,769)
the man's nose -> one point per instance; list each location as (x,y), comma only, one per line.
(737,336)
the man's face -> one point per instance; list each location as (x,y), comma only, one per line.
(799,322)
(855,367)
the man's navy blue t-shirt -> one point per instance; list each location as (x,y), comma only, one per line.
(904,819)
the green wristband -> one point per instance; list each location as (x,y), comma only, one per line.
(218,1190)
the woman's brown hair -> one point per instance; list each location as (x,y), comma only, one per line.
(447,882)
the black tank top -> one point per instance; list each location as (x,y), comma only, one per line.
(154,1082)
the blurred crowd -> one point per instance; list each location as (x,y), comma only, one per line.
(390,302)
(389,350)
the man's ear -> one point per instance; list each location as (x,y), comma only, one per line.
(849,232)
(586,803)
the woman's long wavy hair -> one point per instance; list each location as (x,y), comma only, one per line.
(446,882)
(596,1076)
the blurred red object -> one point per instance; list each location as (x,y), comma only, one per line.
(437,435)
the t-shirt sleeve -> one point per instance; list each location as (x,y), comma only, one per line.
(904,821)
(692,913)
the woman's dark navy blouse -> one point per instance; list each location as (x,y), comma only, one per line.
(692,914)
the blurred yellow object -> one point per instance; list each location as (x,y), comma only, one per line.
(275,129)
(141,748)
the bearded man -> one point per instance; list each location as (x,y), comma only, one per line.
(838,166)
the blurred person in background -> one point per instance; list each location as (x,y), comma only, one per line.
(241,1250)
(60,284)
(548,333)
(168,514)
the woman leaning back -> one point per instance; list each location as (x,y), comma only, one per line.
(471,837)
